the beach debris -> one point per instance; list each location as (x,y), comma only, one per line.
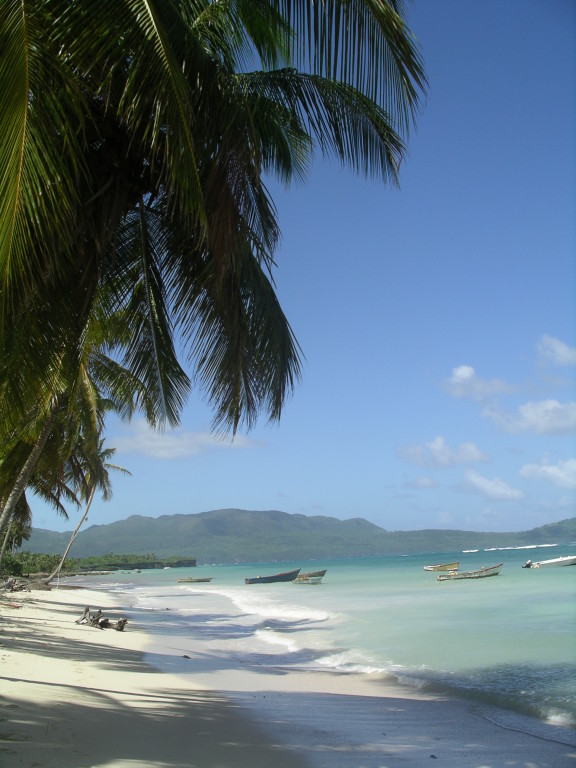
(99,621)
(14,586)
(24,584)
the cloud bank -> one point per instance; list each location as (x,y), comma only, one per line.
(436,454)
(544,417)
(175,444)
(554,351)
(562,474)
(493,489)
(465,383)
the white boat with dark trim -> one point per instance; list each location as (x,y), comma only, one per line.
(565,560)
(482,573)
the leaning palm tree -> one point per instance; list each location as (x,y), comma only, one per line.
(93,474)
(136,138)
(49,479)
(68,405)
(19,528)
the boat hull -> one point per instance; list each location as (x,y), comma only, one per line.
(311,577)
(287,576)
(313,574)
(195,581)
(555,562)
(308,580)
(443,566)
(483,573)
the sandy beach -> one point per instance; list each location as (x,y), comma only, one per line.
(75,696)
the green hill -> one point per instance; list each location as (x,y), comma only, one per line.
(235,535)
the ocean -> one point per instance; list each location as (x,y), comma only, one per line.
(508,643)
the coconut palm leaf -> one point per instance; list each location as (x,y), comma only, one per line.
(40,138)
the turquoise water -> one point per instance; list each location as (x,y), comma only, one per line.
(508,641)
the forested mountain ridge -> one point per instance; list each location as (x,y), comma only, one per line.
(235,535)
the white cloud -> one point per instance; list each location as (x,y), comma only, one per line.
(175,444)
(465,383)
(555,351)
(562,474)
(544,417)
(437,454)
(494,489)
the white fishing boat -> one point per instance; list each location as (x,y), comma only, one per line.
(482,573)
(555,561)
(443,566)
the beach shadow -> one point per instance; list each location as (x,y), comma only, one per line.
(181,729)
(49,724)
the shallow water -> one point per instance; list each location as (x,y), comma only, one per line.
(507,641)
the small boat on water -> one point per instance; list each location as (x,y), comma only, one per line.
(287,576)
(493,570)
(565,560)
(443,566)
(312,577)
(194,581)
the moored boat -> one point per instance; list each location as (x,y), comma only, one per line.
(312,577)
(482,573)
(194,581)
(443,566)
(555,561)
(287,576)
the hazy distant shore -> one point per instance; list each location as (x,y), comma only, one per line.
(238,535)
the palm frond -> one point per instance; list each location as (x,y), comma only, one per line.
(40,138)
(149,353)
(242,349)
(362,43)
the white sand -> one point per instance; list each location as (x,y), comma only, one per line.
(73,696)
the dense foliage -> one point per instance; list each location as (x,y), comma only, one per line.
(30,563)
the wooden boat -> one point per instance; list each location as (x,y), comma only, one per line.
(493,570)
(443,566)
(312,577)
(287,576)
(194,581)
(565,560)
(308,580)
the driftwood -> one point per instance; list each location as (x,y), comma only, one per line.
(99,621)
(14,586)
(23,585)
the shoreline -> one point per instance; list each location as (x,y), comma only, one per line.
(75,696)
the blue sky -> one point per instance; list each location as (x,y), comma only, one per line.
(437,320)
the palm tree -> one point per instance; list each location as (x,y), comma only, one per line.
(135,142)
(67,406)
(19,529)
(93,476)
(50,478)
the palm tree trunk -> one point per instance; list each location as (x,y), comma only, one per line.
(23,478)
(72,538)
(5,544)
